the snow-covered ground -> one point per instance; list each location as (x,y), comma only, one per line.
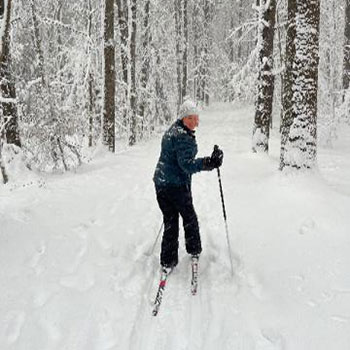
(77,269)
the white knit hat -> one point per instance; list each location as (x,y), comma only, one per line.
(188,108)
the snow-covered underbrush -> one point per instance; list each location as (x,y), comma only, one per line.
(17,169)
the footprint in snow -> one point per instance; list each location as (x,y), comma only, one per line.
(307,226)
(107,338)
(255,285)
(81,282)
(13,326)
(82,228)
(67,253)
(272,339)
(37,256)
(22,216)
(52,331)
(41,297)
(104,243)
(340,319)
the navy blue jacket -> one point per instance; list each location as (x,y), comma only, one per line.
(177,161)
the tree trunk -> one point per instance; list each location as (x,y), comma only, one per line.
(109,77)
(38,45)
(5,178)
(231,54)
(146,41)
(123,19)
(266,81)
(185,48)
(133,97)
(301,147)
(205,69)
(346,72)
(162,109)
(90,81)
(288,112)
(8,112)
(179,55)
(196,50)
(281,58)
(208,16)
(3,173)
(235,48)
(240,31)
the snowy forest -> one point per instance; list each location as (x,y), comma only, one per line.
(87,90)
(74,75)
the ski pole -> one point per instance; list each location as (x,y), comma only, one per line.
(225,217)
(156,240)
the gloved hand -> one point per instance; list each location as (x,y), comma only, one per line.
(215,160)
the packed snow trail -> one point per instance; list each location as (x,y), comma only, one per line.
(76,273)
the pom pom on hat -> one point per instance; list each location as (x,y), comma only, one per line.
(188,108)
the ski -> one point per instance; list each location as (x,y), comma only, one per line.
(194,278)
(162,283)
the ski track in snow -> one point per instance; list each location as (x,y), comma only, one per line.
(78,272)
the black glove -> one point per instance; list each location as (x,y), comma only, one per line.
(215,160)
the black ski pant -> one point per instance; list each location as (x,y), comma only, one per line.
(174,201)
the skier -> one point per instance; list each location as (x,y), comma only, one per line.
(172,178)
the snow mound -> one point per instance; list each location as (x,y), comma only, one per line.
(17,170)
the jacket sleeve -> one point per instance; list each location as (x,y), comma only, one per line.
(186,150)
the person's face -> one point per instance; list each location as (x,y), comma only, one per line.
(191,121)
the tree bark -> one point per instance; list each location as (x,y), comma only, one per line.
(162,108)
(179,55)
(346,71)
(123,19)
(281,57)
(8,116)
(266,81)
(196,50)
(5,178)
(208,12)
(185,49)
(109,77)
(38,45)
(90,81)
(146,40)
(301,147)
(240,31)
(133,97)
(288,114)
